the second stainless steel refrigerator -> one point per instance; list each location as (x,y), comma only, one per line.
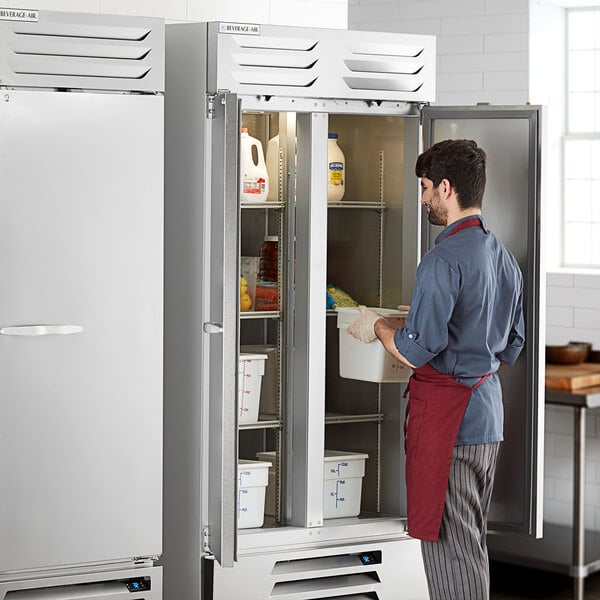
(300,84)
(81,308)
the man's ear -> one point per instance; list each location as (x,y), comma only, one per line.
(445,188)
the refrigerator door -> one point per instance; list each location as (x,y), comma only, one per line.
(511,206)
(80,328)
(221,327)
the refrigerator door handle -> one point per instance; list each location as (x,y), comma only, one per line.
(209,327)
(41,330)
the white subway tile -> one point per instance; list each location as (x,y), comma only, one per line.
(493,7)
(174,9)
(421,26)
(500,42)
(559,316)
(466,81)
(560,513)
(82,6)
(310,13)
(459,44)
(559,279)
(575,297)
(228,10)
(587,317)
(485,62)
(507,80)
(562,445)
(557,336)
(513,23)
(559,419)
(440,8)
(376,11)
(586,281)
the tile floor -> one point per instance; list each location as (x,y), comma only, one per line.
(509,582)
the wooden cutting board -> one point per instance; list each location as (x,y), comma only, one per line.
(572,377)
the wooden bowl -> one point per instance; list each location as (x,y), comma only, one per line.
(571,354)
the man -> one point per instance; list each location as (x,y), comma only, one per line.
(466,317)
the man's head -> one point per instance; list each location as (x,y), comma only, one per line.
(461,163)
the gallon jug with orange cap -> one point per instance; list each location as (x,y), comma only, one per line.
(255,179)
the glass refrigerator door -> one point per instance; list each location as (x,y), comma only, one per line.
(511,207)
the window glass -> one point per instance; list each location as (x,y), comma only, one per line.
(581,150)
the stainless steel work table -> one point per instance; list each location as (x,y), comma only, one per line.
(553,552)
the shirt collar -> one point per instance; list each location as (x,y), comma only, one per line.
(448,230)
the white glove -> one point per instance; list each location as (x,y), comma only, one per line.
(363,328)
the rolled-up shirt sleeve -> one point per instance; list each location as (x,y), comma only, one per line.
(516,336)
(426,332)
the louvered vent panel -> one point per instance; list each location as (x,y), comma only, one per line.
(326,63)
(67,50)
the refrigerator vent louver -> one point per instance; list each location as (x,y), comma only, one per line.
(343,585)
(390,67)
(59,51)
(279,62)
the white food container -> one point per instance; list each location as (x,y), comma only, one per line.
(252,483)
(270,499)
(369,362)
(343,473)
(268,392)
(251,369)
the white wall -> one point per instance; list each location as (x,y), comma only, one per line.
(503,52)
(316,13)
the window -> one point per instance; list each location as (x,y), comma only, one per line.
(581,191)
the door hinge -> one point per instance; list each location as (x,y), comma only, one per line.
(206,539)
(210,106)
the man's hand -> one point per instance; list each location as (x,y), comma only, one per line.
(363,328)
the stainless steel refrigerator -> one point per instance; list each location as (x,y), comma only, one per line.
(374,90)
(81,305)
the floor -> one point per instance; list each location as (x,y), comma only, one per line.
(510,582)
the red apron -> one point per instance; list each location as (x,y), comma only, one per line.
(434,412)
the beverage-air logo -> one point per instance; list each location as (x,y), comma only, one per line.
(240,28)
(18,14)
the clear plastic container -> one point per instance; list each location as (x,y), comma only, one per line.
(336,169)
(269,257)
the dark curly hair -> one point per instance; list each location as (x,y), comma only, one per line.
(462,163)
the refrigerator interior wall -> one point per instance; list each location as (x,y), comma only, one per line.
(364,258)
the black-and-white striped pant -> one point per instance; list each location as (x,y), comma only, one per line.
(457,565)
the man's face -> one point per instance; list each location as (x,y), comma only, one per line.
(437,212)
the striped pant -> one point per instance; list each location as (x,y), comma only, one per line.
(457,565)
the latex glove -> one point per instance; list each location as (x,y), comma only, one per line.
(363,328)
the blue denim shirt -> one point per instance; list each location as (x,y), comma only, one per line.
(466,316)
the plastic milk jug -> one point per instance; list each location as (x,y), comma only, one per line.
(336,169)
(273,168)
(255,179)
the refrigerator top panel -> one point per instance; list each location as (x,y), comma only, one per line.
(281,61)
(46,49)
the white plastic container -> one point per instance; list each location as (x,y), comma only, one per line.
(343,473)
(268,391)
(273,168)
(253,477)
(255,179)
(336,170)
(270,497)
(369,362)
(251,368)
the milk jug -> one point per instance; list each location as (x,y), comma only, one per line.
(255,179)
(336,169)
(273,168)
